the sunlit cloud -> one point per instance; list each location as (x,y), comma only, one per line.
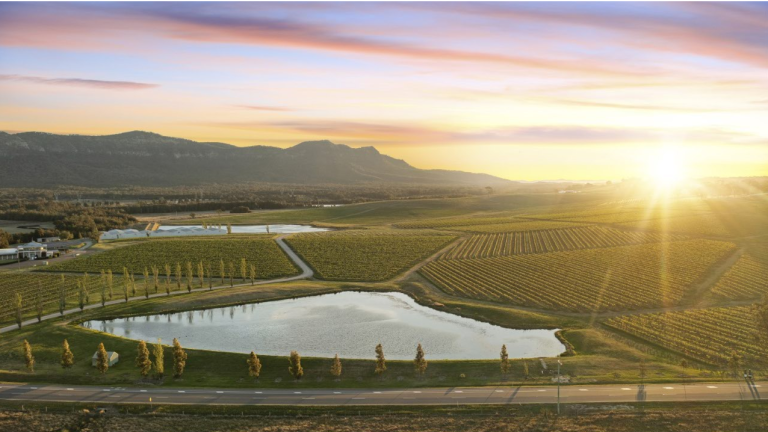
(80,82)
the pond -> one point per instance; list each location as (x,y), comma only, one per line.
(347,323)
(257,229)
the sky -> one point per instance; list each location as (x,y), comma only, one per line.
(524,91)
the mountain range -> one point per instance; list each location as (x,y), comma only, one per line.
(37,159)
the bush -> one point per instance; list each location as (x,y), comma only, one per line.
(241,209)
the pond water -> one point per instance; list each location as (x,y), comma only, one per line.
(257,229)
(347,323)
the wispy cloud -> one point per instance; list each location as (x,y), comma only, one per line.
(80,82)
(263,108)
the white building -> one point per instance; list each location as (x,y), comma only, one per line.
(9,254)
(32,250)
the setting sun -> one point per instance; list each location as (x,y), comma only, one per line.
(667,168)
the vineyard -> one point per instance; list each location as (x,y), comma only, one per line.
(261,251)
(748,278)
(489,224)
(709,335)
(364,256)
(49,286)
(627,277)
(457,221)
(703,224)
(542,241)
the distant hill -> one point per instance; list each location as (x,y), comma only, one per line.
(36,159)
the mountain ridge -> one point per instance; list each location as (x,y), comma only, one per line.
(139,158)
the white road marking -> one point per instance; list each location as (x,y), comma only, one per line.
(182,391)
(711,386)
(220,392)
(669,388)
(626,388)
(257,392)
(143,391)
(458,391)
(377,392)
(70,389)
(358,398)
(308,398)
(106,390)
(583,390)
(541,390)
(296,392)
(499,391)
(336,392)
(417,392)
(33,388)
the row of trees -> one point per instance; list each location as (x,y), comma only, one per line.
(145,364)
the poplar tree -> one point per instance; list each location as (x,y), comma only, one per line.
(243,269)
(178,276)
(254,365)
(159,354)
(29,359)
(146,283)
(419,362)
(102,361)
(336,367)
(39,302)
(103,288)
(19,304)
(109,283)
(231,274)
(210,276)
(67,358)
(190,276)
(504,360)
(229,228)
(126,283)
(156,278)
(381,362)
(222,272)
(201,273)
(253,274)
(167,279)
(179,359)
(133,285)
(81,295)
(294,367)
(85,286)
(62,296)
(142,359)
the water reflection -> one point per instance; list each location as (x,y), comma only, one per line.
(350,324)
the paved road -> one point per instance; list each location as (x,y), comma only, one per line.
(730,391)
(306,272)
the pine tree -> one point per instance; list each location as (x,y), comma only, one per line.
(231,274)
(126,284)
(504,360)
(102,361)
(294,367)
(67,358)
(381,362)
(254,365)
(157,352)
(253,274)
(146,283)
(39,302)
(103,288)
(336,367)
(142,359)
(419,362)
(29,359)
(167,279)
(190,276)
(62,296)
(81,295)
(109,283)
(19,305)
(222,272)
(178,276)
(179,359)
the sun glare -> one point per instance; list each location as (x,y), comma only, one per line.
(667,168)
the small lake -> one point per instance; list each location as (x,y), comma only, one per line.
(347,323)
(257,229)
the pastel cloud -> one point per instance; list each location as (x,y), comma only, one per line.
(80,82)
